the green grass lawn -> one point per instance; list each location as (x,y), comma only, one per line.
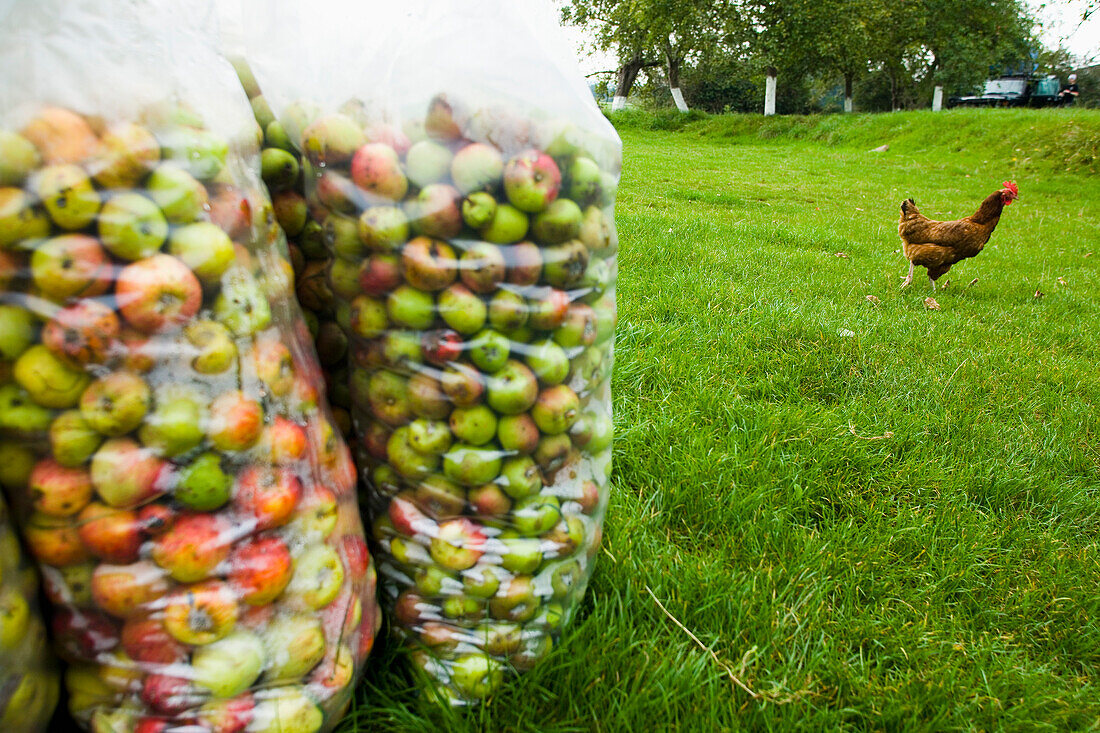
(872,515)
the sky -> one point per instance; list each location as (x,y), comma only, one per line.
(1061,24)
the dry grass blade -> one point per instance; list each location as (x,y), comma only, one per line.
(873,300)
(931,304)
(725,667)
(885,436)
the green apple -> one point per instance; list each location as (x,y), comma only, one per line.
(384,228)
(482,580)
(479,209)
(332,139)
(318,577)
(49,381)
(241,306)
(16,463)
(508,225)
(430,436)
(427,162)
(216,350)
(132,227)
(19,414)
(520,477)
(116,403)
(127,152)
(285,710)
(202,485)
(584,180)
(294,644)
(229,666)
(535,515)
(411,308)
(18,157)
(476,676)
(68,195)
(202,152)
(73,440)
(406,460)
(475,425)
(174,427)
(556,409)
(180,196)
(462,309)
(472,465)
(489,350)
(18,328)
(477,167)
(19,219)
(513,389)
(548,361)
(204,248)
(507,311)
(279,169)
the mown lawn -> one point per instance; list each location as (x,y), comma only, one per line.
(873,515)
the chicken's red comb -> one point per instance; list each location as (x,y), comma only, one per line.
(1011,186)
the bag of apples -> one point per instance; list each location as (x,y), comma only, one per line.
(464,177)
(188,499)
(28,678)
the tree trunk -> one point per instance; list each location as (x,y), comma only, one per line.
(674,80)
(769,91)
(628,73)
(893,92)
(848,93)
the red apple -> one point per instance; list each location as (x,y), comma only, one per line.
(124,590)
(267,495)
(201,613)
(441,346)
(375,168)
(113,535)
(83,635)
(235,421)
(59,491)
(194,546)
(145,640)
(126,474)
(284,441)
(158,294)
(82,333)
(260,570)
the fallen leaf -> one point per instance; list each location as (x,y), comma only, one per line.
(1062,281)
(885,436)
(880,149)
(845,333)
(859,208)
(931,304)
(1038,294)
(972,282)
(945,284)
(874,300)
(842,255)
(1088,254)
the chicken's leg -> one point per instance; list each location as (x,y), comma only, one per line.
(933,282)
(908,278)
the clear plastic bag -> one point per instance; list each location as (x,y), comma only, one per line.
(189,500)
(28,673)
(466,180)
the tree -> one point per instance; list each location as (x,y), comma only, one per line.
(618,24)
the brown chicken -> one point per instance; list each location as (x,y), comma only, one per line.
(937,245)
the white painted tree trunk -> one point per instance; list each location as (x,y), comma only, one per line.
(937,99)
(678,98)
(847,105)
(769,96)
(618,103)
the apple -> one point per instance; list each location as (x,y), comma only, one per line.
(203,152)
(260,570)
(441,346)
(476,676)
(15,616)
(507,311)
(387,397)
(410,307)
(180,197)
(291,211)
(286,709)
(174,426)
(58,491)
(69,265)
(462,384)
(278,168)
(516,600)
(428,264)
(548,309)
(429,436)
(513,389)
(531,180)
(533,648)
(507,225)
(228,667)
(158,294)
(482,267)
(479,209)
(440,122)
(536,514)
(462,608)
(194,546)
(235,422)
(54,540)
(476,425)
(18,329)
(499,638)
(376,169)
(401,350)
(228,716)
(597,231)
(472,465)
(242,306)
(584,180)
(126,153)
(202,485)
(267,496)
(201,613)
(204,248)
(132,227)
(144,639)
(318,577)
(548,361)
(125,590)
(477,167)
(318,512)
(274,365)
(48,380)
(426,397)
(332,140)
(461,309)
(138,352)
(19,415)
(16,463)
(520,478)
(552,451)
(406,460)
(215,350)
(458,544)
(383,228)
(368,317)
(82,635)
(411,609)
(112,535)
(68,196)
(81,333)
(565,265)
(294,643)
(19,219)
(579,327)
(18,157)
(488,500)
(427,162)
(437,211)
(231,210)
(284,441)
(116,403)
(489,350)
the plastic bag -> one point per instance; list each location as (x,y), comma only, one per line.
(281,168)
(188,499)
(28,676)
(466,180)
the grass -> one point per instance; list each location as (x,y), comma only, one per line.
(874,516)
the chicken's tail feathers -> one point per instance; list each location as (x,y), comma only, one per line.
(908,206)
